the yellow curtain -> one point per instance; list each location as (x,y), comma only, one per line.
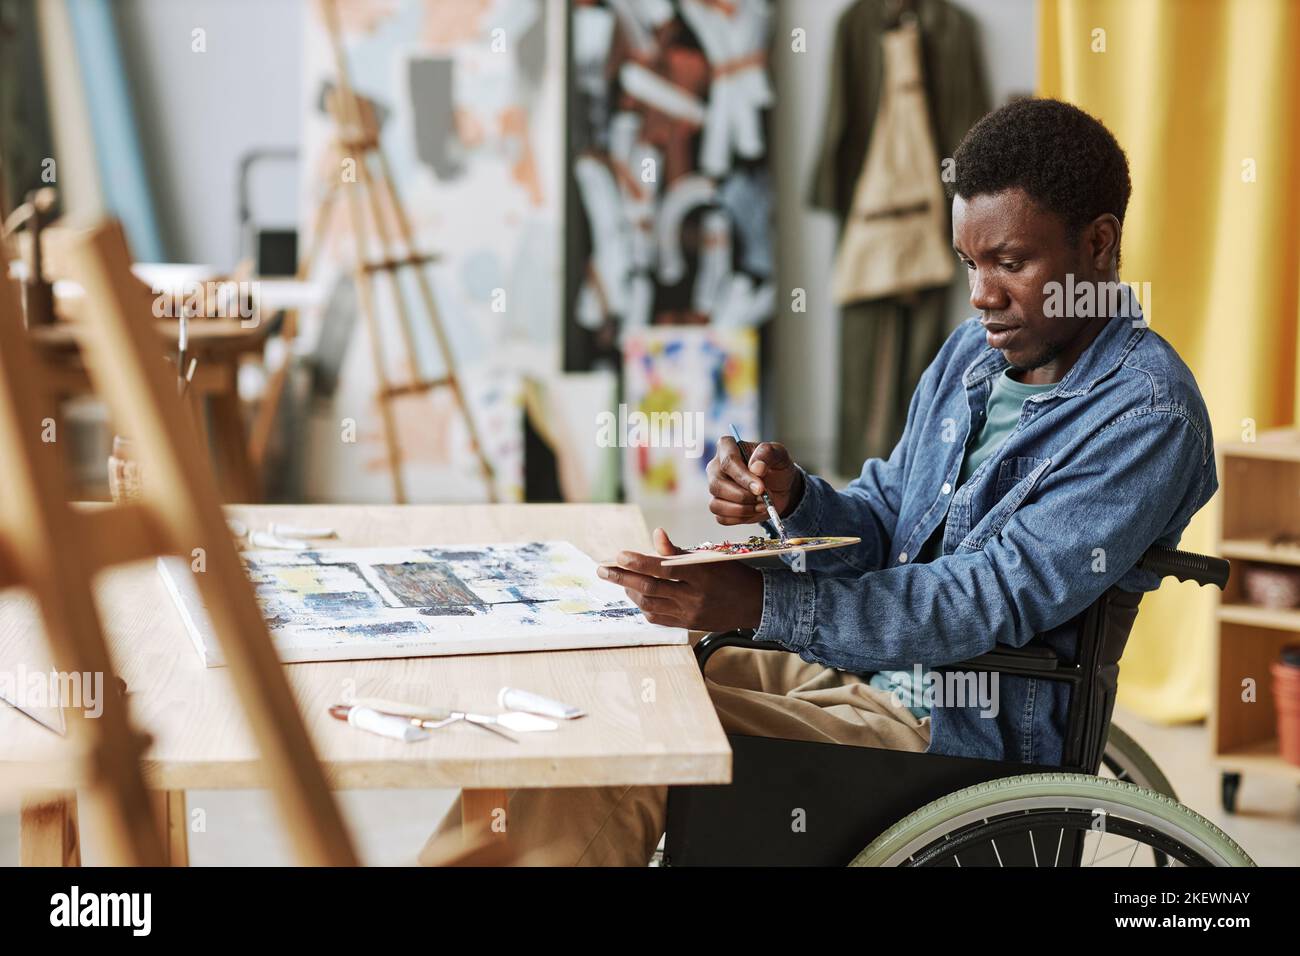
(1204,96)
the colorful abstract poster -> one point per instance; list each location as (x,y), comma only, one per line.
(469,97)
(684,387)
(365,603)
(669,163)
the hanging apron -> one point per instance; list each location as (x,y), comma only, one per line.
(894,238)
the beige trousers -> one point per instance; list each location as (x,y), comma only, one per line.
(757,693)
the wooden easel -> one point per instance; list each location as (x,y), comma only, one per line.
(55,551)
(355,145)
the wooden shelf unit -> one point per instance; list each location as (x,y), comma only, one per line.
(1259,485)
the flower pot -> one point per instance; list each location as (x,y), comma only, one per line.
(1286,697)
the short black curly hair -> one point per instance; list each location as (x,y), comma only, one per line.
(1061,156)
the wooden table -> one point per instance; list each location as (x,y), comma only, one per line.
(220,345)
(649,720)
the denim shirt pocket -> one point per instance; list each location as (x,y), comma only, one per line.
(1016,479)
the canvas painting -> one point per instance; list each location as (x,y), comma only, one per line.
(685,386)
(469,95)
(364,603)
(669,154)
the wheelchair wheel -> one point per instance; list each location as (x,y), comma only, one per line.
(1052,819)
(1125,758)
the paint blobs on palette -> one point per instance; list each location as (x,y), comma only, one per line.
(755,544)
(755,547)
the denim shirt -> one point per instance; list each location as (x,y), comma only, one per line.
(1117,457)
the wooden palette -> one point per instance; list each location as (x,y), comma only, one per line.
(795,545)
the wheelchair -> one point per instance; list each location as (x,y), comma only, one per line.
(819,804)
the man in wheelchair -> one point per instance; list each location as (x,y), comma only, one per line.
(1054,438)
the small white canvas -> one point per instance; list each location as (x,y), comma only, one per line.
(362,603)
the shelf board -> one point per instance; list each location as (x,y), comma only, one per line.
(1281,444)
(1277,618)
(1262,756)
(1258,549)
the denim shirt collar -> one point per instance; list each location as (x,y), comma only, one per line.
(1102,356)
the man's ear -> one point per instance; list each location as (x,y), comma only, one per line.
(1102,242)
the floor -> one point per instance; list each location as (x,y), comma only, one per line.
(391,825)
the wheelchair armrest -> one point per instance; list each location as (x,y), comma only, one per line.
(1034,659)
(744,637)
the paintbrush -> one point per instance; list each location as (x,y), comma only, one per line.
(189,376)
(182,343)
(771,510)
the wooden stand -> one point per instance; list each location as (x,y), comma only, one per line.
(1258,482)
(355,146)
(55,553)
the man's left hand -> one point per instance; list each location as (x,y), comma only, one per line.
(719,596)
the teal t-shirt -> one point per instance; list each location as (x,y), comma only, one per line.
(1001,415)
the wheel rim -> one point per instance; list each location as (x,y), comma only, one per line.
(1047,853)
(1125,758)
(1191,835)
(1024,804)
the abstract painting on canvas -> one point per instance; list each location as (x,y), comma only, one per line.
(364,603)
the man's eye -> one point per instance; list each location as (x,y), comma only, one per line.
(1012,266)
(968,264)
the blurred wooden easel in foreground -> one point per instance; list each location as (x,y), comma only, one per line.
(55,551)
(355,145)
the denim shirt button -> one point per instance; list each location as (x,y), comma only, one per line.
(947,488)
(902,558)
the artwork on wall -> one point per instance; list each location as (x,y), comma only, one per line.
(683,386)
(469,95)
(365,603)
(669,165)
(670,256)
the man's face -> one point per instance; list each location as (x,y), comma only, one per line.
(1012,248)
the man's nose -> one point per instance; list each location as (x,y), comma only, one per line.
(986,295)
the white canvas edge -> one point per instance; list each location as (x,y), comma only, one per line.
(179,582)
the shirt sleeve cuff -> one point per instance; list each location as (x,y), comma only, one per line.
(805,520)
(789,605)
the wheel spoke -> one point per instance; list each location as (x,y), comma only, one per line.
(1098,848)
(1112,853)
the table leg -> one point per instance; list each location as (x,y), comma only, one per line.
(48,834)
(169,811)
(483,810)
(239,482)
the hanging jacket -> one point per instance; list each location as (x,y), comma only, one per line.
(895,235)
(952,73)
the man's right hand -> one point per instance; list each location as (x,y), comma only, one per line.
(739,474)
